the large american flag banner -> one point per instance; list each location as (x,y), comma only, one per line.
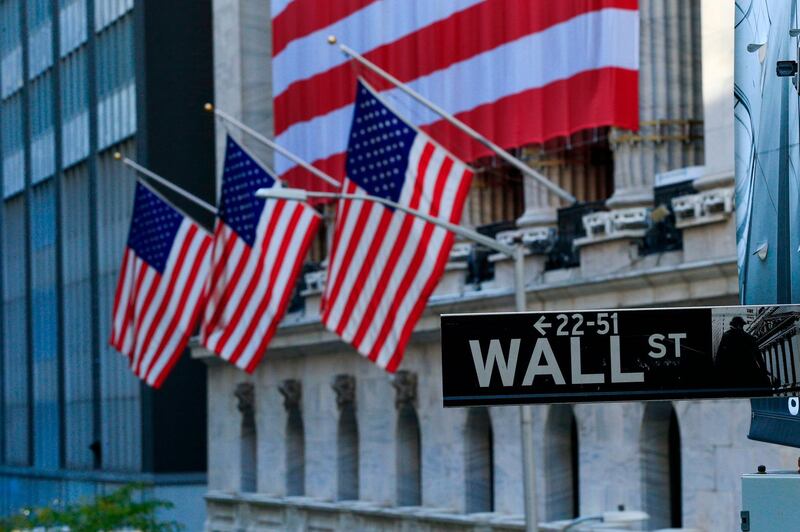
(384,264)
(259,247)
(518,71)
(160,286)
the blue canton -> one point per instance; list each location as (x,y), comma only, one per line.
(154,226)
(379,146)
(239,208)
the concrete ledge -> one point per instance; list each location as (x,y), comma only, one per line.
(227,510)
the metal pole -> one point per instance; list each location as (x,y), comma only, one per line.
(175,188)
(503,154)
(460,230)
(272,144)
(526,412)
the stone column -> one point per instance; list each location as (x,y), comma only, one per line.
(670,102)
(540,204)
(242,73)
(717,42)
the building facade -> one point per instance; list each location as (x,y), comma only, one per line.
(320,438)
(80,79)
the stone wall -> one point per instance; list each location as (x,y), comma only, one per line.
(613,452)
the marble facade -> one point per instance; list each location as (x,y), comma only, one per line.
(624,454)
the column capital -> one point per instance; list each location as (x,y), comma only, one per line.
(345,387)
(245,395)
(405,386)
(292,392)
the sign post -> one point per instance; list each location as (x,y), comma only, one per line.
(620,355)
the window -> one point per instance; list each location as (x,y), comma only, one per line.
(479,473)
(409,470)
(661,466)
(247,457)
(295,438)
(295,454)
(347,454)
(561,464)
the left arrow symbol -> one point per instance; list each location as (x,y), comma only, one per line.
(541,324)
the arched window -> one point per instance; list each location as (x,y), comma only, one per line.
(295,453)
(661,466)
(409,477)
(347,454)
(409,457)
(479,472)
(247,441)
(561,464)
(295,438)
(346,439)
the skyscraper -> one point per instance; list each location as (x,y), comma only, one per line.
(80,79)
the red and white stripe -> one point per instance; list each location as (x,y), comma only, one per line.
(519,71)
(384,264)
(154,313)
(250,288)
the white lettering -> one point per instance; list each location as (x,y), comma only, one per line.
(655,342)
(577,376)
(495,355)
(551,368)
(677,337)
(616,367)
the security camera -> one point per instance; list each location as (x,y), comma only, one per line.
(786,69)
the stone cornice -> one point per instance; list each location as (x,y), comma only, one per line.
(683,284)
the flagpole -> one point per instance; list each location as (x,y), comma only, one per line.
(172,186)
(299,194)
(503,154)
(272,144)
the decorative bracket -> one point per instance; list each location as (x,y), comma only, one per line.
(245,393)
(292,392)
(405,386)
(345,388)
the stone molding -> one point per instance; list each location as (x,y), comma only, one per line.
(405,387)
(292,392)
(611,225)
(710,206)
(345,387)
(675,283)
(226,510)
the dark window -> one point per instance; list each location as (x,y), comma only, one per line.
(347,454)
(479,462)
(661,466)
(248,453)
(295,453)
(409,465)
(561,464)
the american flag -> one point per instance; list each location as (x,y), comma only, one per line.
(259,247)
(159,292)
(384,264)
(518,71)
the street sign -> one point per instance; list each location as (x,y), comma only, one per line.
(620,355)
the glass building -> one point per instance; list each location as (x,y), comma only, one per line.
(79,80)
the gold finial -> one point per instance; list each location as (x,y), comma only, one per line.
(331,39)
(208,106)
(117,156)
